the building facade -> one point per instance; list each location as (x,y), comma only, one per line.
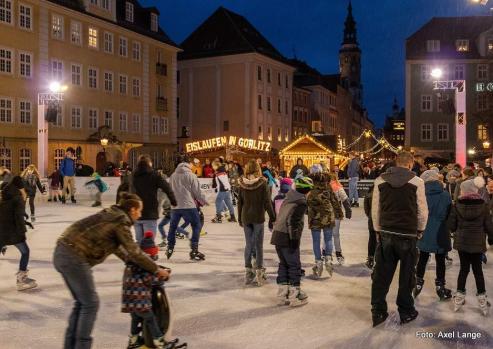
(119,68)
(233,82)
(463,48)
(394,129)
(302,121)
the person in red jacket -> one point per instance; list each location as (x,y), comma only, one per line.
(208,170)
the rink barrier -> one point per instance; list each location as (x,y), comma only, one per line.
(364,186)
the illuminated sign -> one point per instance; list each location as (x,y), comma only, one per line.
(399,125)
(483,86)
(220,142)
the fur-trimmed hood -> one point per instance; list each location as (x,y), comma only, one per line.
(251,182)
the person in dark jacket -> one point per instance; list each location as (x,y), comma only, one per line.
(372,234)
(436,237)
(13,228)
(299,166)
(5,176)
(253,201)
(67,171)
(470,222)
(467,174)
(353,173)
(145,183)
(286,237)
(30,176)
(89,242)
(54,187)
(399,214)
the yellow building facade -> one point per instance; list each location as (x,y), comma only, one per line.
(119,68)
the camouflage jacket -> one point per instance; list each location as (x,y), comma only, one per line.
(323,207)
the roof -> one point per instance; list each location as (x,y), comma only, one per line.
(141,24)
(307,144)
(306,75)
(227,33)
(448,30)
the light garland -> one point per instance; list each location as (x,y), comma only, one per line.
(382,142)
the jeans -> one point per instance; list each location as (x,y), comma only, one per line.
(254,244)
(145,225)
(147,319)
(24,250)
(468,260)
(289,272)
(77,275)
(31,205)
(440,265)
(224,197)
(391,250)
(190,215)
(337,236)
(165,221)
(316,234)
(353,189)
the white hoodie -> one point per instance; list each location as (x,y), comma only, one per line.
(186,187)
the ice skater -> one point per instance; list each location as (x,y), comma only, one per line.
(54,186)
(101,187)
(30,177)
(343,201)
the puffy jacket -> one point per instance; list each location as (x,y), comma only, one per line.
(254,201)
(12,210)
(137,289)
(470,221)
(436,237)
(186,187)
(67,167)
(322,205)
(290,221)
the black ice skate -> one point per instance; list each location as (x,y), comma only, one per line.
(379,319)
(195,255)
(406,318)
(217,219)
(232,219)
(442,292)
(169,252)
(419,287)
(370,262)
(72,198)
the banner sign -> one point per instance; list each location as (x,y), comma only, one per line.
(221,142)
(364,186)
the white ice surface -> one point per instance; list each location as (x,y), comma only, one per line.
(212,307)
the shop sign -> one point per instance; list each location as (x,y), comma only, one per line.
(483,87)
(399,125)
(221,142)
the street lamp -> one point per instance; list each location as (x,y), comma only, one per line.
(436,73)
(482,2)
(471,151)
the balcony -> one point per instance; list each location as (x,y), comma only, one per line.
(161,104)
(161,69)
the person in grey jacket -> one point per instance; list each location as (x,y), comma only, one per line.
(353,172)
(186,187)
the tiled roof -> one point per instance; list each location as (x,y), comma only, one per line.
(306,75)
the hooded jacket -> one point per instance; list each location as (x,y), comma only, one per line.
(31,182)
(322,207)
(289,224)
(399,203)
(254,201)
(186,187)
(12,209)
(220,182)
(470,221)
(297,167)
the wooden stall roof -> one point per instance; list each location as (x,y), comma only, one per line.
(307,144)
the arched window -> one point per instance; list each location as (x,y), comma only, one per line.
(59,154)
(24,158)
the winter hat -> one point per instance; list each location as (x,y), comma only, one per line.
(196,161)
(148,246)
(316,168)
(303,185)
(286,184)
(471,186)
(17,182)
(429,176)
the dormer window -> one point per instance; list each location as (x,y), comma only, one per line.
(154,25)
(129,11)
(462,45)
(433,45)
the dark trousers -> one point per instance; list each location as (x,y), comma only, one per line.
(78,277)
(423,260)
(289,272)
(24,250)
(372,240)
(139,320)
(468,260)
(391,250)
(190,215)
(31,205)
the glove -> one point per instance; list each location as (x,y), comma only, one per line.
(29,224)
(420,235)
(271,225)
(349,213)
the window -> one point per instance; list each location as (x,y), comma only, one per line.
(108,81)
(136,87)
(123,47)
(25,112)
(286,108)
(279,135)
(5,110)
(6,157)
(226,125)
(155,125)
(295,118)
(93,38)
(286,135)
(129,11)
(93,119)
(259,102)
(105,4)
(163,125)
(259,73)
(136,123)
(278,105)
(279,79)
(24,158)
(136,51)
(433,45)
(25,17)
(25,64)
(108,119)
(92,75)
(426,132)
(482,132)
(123,84)
(260,133)
(481,102)
(59,155)
(6,12)
(442,135)
(459,72)
(462,45)
(57,27)
(123,122)
(268,76)
(108,42)
(287,81)
(5,60)
(76,74)
(59,116)
(425,73)
(482,71)
(76,121)
(269,133)
(76,33)
(426,104)
(154,24)
(57,70)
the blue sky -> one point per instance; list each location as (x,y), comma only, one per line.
(313,29)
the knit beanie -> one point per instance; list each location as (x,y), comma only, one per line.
(316,168)
(148,246)
(286,184)
(471,186)
(303,185)
(429,176)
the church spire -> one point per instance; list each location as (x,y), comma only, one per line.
(350,27)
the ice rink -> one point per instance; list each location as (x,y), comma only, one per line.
(213,309)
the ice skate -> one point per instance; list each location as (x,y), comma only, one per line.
(318,268)
(260,276)
(254,263)
(484,259)
(162,245)
(50,200)
(378,319)
(33,218)
(419,287)
(340,258)
(63,200)
(217,219)
(169,252)
(249,276)
(459,300)
(484,304)
(442,292)
(96,204)
(296,296)
(232,219)
(195,255)
(370,262)
(448,261)
(175,344)
(203,232)
(135,342)
(328,265)
(72,199)
(405,318)
(180,236)
(3,250)
(282,295)
(24,282)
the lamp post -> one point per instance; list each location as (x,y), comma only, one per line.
(459,87)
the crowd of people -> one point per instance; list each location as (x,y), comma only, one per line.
(413,211)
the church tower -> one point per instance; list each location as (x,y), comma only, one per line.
(350,59)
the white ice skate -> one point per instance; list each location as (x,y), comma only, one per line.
(282,295)
(328,265)
(260,276)
(249,276)
(296,296)
(318,268)
(25,283)
(484,304)
(459,300)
